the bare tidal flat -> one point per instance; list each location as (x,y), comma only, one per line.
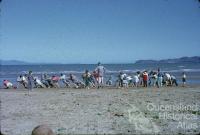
(168,110)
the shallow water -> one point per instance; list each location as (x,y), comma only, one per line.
(11,72)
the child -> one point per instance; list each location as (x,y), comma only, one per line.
(109,81)
(184,79)
(136,80)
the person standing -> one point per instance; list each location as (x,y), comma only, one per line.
(87,79)
(100,74)
(120,79)
(184,79)
(30,81)
(159,78)
(136,80)
(145,78)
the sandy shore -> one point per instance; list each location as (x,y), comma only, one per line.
(168,110)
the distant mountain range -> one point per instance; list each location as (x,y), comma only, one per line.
(195,59)
(13,62)
(18,62)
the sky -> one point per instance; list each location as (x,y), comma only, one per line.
(88,31)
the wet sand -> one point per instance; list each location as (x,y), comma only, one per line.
(168,110)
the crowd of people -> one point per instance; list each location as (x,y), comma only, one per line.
(152,78)
(95,79)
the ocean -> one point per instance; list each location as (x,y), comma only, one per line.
(11,72)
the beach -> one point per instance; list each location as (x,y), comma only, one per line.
(100,67)
(167,110)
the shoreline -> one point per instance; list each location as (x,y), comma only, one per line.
(105,87)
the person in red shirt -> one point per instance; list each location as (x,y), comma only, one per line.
(54,80)
(145,78)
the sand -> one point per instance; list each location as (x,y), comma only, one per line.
(99,111)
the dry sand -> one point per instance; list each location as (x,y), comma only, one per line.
(99,111)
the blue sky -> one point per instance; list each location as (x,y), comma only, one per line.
(88,31)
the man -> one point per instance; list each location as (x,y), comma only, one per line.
(63,78)
(120,79)
(75,82)
(30,81)
(100,73)
(38,83)
(167,79)
(173,80)
(22,80)
(46,80)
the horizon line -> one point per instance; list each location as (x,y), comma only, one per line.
(61,63)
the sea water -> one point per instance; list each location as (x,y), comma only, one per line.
(11,72)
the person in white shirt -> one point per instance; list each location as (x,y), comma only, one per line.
(22,81)
(184,79)
(62,77)
(136,80)
(38,83)
(100,70)
(167,79)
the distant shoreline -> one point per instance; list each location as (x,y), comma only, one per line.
(194,59)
